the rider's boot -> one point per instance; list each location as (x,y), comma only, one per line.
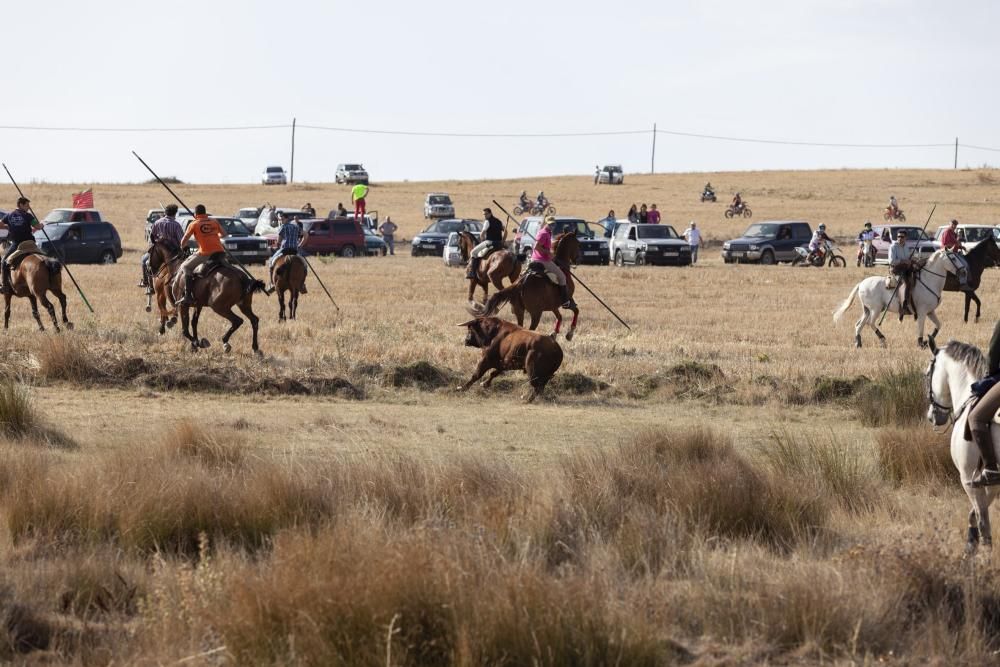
(990,474)
(188,298)
(473,268)
(568,302)
(6,278)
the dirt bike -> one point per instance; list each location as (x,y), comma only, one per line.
(888,214)
(829,255)
(867,254)
(734,212)
(708,196)
(535,209)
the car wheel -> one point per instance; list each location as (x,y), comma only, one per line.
(640,259)
(619,260)
(347,251)
(767,257)
(108,257)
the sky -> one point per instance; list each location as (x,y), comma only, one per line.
(827,71)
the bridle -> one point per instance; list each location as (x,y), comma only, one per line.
(944,415)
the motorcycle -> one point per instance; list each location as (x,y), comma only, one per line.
(828,255)
(707,195)
(735,212)
(889,215)
(545,209)
(867,254)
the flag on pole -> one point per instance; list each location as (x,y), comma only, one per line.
(83,199)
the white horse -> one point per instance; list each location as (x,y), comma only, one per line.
(949,379)
(875,297)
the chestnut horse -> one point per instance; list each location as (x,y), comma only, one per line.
(164,260)
(33,277)
(289,275)
(494,268)
(221,290)
(535,292)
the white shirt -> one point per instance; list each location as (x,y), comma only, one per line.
(693,236)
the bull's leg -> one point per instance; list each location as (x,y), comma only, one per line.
(492,376)
(235,322)
(34,311)
(246,307)
(488,362)
(51,310)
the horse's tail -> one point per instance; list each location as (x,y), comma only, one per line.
(495,302)
(54,266)
(837,314)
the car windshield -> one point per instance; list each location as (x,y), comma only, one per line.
(54,231)
(657,232)
(976,234)
(352,167)
(440,199)
(233,226)
(274,170)
(247,213)
(449,226)
(613,170)
(912,233)
(762,230)
(58,216)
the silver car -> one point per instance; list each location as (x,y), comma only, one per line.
(438,205)
(274,175)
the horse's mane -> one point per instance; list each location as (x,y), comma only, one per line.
(557,242)
(970,355)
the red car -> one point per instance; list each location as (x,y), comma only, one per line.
(334,236)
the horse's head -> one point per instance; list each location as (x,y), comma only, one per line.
(956,365)
(161,253)
(938,390)
(466,242)
(566,247)
(990,250)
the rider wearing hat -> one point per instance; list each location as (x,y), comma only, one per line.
(901,266)
(542,254)
(491,238)
(867,234)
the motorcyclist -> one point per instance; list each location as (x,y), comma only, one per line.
(525,201)
(867,234)
(707,192)
(893,206)
(816,242)
(737,204)
(542,202)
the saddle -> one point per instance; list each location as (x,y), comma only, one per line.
(24,249)
(538,269)
(287,252)
(215,262)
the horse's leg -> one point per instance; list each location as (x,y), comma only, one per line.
(235,322)
(246,307)
(161,305)
(51,310)
(194,328)
(34,311)
(572,324)
(6,309)
(536,315)
(558,315)
(979,305)
(293,303)
(968,302)
(472,288)
(281,304)
(921,321)
(972,536)
(937,323)
(518,309)
(982,504)
(62,306)
(860,324)
(186,327)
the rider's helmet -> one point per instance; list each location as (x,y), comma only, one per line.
(868,223)
(541,194)
(524,193)
(822,226)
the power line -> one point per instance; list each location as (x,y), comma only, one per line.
(485,135)
(798,143)
(981,148)
(238,128)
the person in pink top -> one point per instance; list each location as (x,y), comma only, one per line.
(542,253)
(653,216)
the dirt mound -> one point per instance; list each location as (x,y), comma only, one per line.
(421,374)
(576,383)
(833,388)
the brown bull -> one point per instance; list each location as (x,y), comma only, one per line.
(506,347)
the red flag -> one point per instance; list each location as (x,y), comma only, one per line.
(83,199)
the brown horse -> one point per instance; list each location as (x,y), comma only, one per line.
(34,276)
(535,292)
(222,289)
(164,261)
(498,265)
(289,275)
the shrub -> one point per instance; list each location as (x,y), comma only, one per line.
(66,358)
(915,455)
(17,416)
(894,398)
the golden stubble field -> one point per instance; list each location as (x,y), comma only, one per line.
(361,458)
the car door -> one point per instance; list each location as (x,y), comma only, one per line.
(72,246)
(882,242)
(319,238)
(93,240)
(784,244)
(631,243)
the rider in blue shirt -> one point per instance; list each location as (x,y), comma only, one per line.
(20,225)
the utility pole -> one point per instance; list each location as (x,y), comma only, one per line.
(652,160)
(291,174)
(956,152)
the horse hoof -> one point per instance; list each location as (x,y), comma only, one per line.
(204,343)
(149,309)
(171,322)
(68,325)
(227,348)
(569,334)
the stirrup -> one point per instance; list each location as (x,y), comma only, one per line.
(569,305)
(986,477)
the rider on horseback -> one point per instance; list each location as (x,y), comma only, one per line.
(902,266)
(982,414)
(867,234)
(491,239)
(289,241)
(951,243)
(209,234)
(166,231)
(543,255)
(20,224)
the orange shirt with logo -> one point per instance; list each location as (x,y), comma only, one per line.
(206,232)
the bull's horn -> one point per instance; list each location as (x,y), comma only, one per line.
(465,324)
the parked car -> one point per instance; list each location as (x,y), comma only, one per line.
(336,236)
(594,247)
(375,246)
(350,173)
(917,241)
(611,174)
(248,215)
(274,175)
(90,242)
(451,254)
(266,226)
(240,243)
(152,216)
(969,235)
(438,205)
(768,242)
(638,244)
(431,241)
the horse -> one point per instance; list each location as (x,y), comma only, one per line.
(164,261)
(494,268)
(535,293)
(986,254)
(876,297)
(35,275)
(289,272)
(221,289)
(949,379)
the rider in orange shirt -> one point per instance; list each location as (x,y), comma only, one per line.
(208,233)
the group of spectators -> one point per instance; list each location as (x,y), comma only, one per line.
(651,216)
(644,216)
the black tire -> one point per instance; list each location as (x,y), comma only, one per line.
(383,252)
(551,210)
(619,260)
(797,261)
(348,251)
(640,259)
(729,213)
(108,257)
(838,261)
(747,212)
(902,218)
(518,210)
(767,257)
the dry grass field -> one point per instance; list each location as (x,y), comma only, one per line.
(730,482)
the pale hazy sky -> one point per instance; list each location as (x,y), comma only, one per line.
(840,71)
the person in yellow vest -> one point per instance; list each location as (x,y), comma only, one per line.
(358,194)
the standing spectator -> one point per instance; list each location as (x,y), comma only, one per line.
(358,194)
(388,229)
(693,237)
(643,215)
(597,173)
(341,211)
(653,216)
(633,214)
(609,223)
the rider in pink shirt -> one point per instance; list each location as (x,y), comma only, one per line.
(542,253)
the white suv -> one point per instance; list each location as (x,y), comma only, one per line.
(274,175)
(438,205)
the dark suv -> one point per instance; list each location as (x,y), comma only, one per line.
(768,242)
(80,242)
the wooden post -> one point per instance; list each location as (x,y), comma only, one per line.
(652,160)
(291,174)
